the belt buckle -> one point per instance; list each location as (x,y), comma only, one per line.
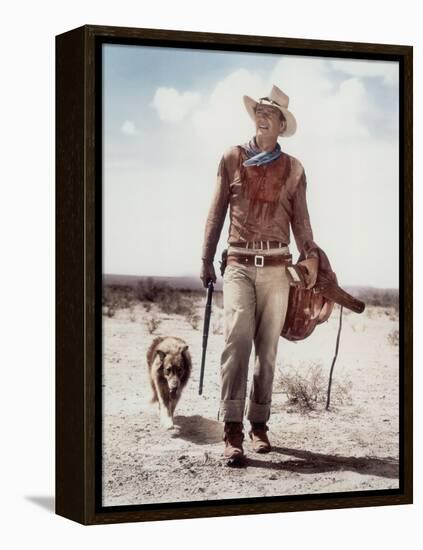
(259,261)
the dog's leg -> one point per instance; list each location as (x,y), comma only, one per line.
(175,402)
(172,406)
(166,419)
(166,416)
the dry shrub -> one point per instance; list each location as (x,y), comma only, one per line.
(393,337)
(194,320)
(308,390)
(152,323)
(149,290)
(392,314)
(217,327)
(117,297)
(379,297)
(218,299)
(132,314)
(359,327)
(370,312)
(169,300)
(110,311)
(304,390)
(173,301)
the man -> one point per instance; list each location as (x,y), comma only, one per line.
(265,189)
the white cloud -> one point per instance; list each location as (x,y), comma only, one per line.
(173,106)
(128,128)
(388,70)
(319,107)
(222,119)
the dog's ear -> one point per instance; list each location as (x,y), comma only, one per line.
(186,358)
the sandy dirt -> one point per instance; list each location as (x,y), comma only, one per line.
(352,447)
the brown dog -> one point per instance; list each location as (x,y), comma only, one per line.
(169,367)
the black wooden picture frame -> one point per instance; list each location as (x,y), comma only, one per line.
(79,276)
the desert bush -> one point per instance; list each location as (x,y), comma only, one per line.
(194,320)
(149,290)
(152,324)
(132,314)
(393,337)
(110,311)
(217,327)
(370,312)
(380,297)
(359,327)
(392,314)
(218,299)
(304,390)
(307,391)
(117,297)
(174,301)
(169,300)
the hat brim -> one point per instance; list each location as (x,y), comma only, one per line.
(291,123)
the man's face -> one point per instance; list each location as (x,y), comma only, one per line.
(268,121)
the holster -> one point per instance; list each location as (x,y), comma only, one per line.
(223,262)
(332,291)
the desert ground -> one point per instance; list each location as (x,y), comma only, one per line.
(354,446)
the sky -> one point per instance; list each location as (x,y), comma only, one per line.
(168,116)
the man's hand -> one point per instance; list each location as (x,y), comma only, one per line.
(207,273)
(312,266)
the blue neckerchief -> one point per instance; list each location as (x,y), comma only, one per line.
(257,157)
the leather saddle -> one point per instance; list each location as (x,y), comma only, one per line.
(308,308)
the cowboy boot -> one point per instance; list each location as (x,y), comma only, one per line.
(233,438)
(258,436)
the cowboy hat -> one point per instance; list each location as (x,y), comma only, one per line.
(277,99)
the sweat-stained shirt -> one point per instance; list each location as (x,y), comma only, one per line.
(263,202)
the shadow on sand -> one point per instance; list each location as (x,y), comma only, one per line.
(198,429)
(306,462)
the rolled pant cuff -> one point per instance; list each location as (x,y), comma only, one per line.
(231,410)
(257,412)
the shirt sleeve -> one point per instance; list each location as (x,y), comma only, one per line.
(300,222)
(217,213)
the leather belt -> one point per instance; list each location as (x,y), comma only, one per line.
(260,245)
(259,261)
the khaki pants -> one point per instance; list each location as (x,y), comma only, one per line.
(255,304)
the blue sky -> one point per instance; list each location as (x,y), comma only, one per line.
(170,113)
